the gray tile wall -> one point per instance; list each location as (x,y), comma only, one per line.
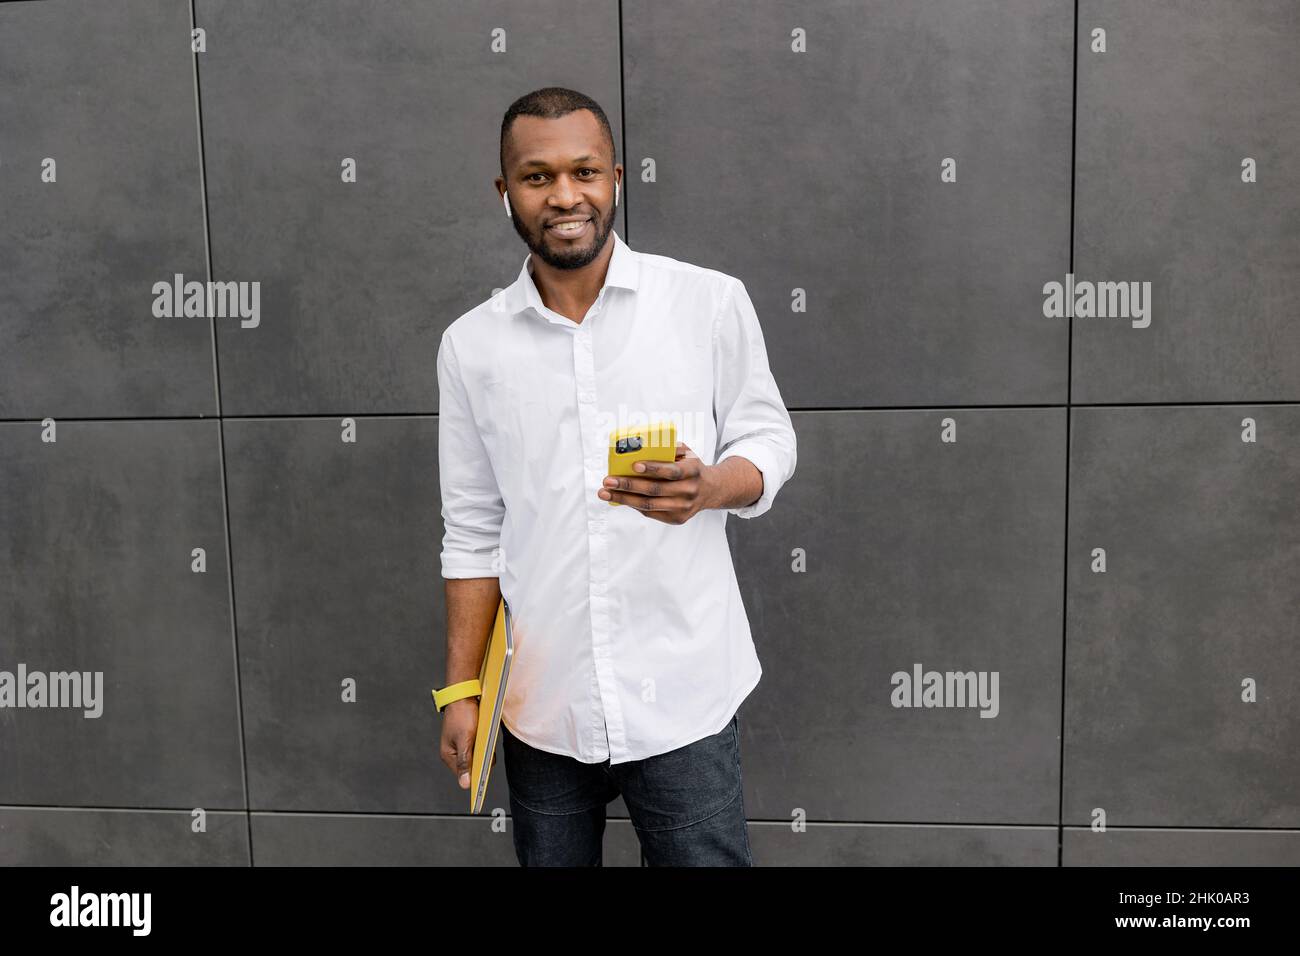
(1066,502)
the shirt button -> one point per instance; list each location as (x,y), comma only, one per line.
(586,396)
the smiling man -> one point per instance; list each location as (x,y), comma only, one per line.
(633,649)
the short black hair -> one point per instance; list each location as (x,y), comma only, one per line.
(552,102)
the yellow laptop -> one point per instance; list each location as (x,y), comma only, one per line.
(492,679)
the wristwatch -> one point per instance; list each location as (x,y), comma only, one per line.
(454,692)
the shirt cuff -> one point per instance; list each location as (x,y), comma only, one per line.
(469,565)
(764,459)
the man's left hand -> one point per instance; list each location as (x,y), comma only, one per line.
(671,492)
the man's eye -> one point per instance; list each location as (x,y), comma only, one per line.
(584,170)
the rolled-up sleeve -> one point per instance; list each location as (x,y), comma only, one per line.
(753,422)
(472,507)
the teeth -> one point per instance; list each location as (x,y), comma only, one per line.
(570,226)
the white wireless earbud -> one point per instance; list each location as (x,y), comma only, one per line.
(616,194)
(506,197)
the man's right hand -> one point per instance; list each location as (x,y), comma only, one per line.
(459,727)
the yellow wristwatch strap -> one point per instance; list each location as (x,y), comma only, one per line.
(453,692)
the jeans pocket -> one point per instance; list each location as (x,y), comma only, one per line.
(686,786)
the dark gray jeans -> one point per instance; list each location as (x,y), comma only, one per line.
(685,805)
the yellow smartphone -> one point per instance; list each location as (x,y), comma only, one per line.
(654,442)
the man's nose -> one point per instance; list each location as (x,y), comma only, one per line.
(566,195)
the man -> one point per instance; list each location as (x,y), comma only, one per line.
(633,650)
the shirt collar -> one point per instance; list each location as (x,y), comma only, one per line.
(624,271)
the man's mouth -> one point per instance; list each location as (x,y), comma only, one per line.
(569,230)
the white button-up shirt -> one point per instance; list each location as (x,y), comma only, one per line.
(631,638)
